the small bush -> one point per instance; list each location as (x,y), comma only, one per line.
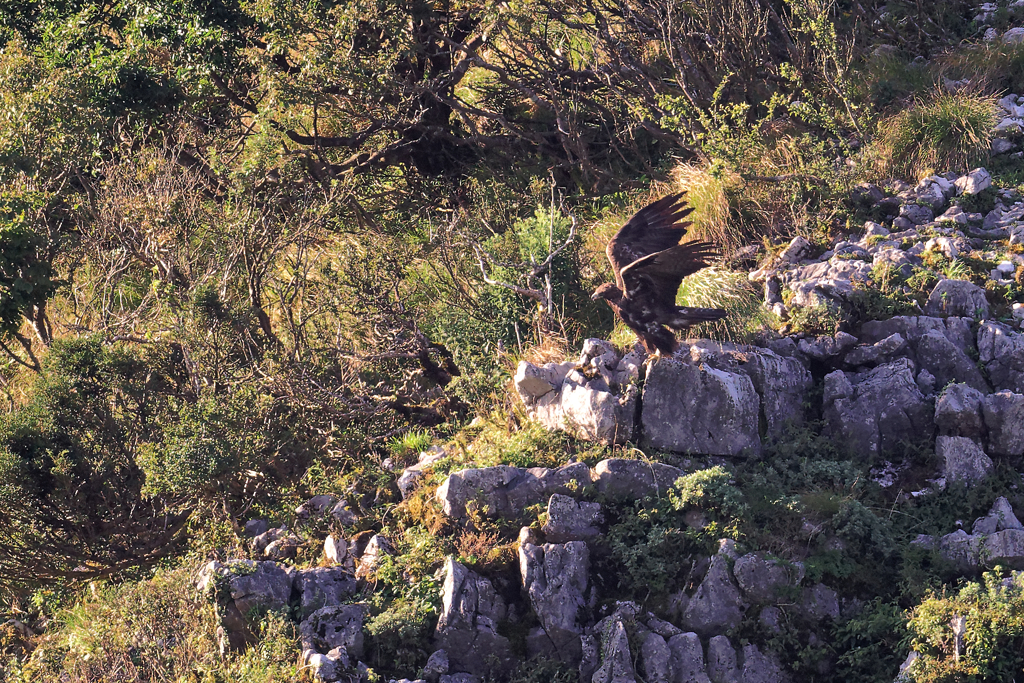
(992,645)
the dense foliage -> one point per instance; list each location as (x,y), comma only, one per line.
(253,251)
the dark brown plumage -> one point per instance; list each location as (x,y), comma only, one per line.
(649,265)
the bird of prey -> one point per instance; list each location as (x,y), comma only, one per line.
(649,265)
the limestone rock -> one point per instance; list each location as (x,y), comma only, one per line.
(698,409)
(717,605)
(336,551)
(958,412)
(619,478)
(999,518)
(554,577)
(376,548)
(1005,548)
(323,587)
(333,627)
(825,348)
(820,602)
(533,381)
(761,668)
(569,520)
(267,587)
(878,409)
(943,346)
(436,666)
(504,490)
(782,384)
(592,412)
(1002,352)
(687,659)
(284,548)
(977,180)
(343,514)
(655,660)
(1004,418)
(616,660)
(958,298)
(763,579)
(878,352)
(316,506)
(722,661)
(412,474)
(467,628)
(917,214)
(964,460)
(796,250)
(255,527)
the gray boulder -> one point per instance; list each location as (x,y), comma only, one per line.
(1004,548)
(569,520)
(917,214)
(761,668)
(964,461)
(655,659)
(411,475)
(999,518)
(1004,418)
(619,478)
(827,348)
(872,412)
(591,411)
(336,551)
(377,547)
(323,587)
(782,385)
(680,659)
(820,602)
(942,346)
(717,605)
(316,506)
(337,626)
(1002,352)
(467,628)
(961,549)
(534,381)
(697,409)
(763,579)
(686,659)
(958,412)
(974,182)
(722,661)
(616,660)
(255,527)
(554,577)
(436,666)
(957,298)
(284,547)
(504,490)
(878,352)
(267,587)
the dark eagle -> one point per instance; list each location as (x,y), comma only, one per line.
(650,264)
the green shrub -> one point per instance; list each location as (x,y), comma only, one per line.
(992,647)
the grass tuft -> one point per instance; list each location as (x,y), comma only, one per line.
(947,131)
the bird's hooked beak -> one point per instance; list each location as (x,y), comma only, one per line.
(595,296)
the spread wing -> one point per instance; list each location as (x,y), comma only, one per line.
(654,228)
(658,276)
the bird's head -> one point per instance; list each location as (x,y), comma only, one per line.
(607,291)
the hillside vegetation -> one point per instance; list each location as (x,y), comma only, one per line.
(254,253)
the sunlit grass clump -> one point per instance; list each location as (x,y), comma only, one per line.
(731,290)
(949,131)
